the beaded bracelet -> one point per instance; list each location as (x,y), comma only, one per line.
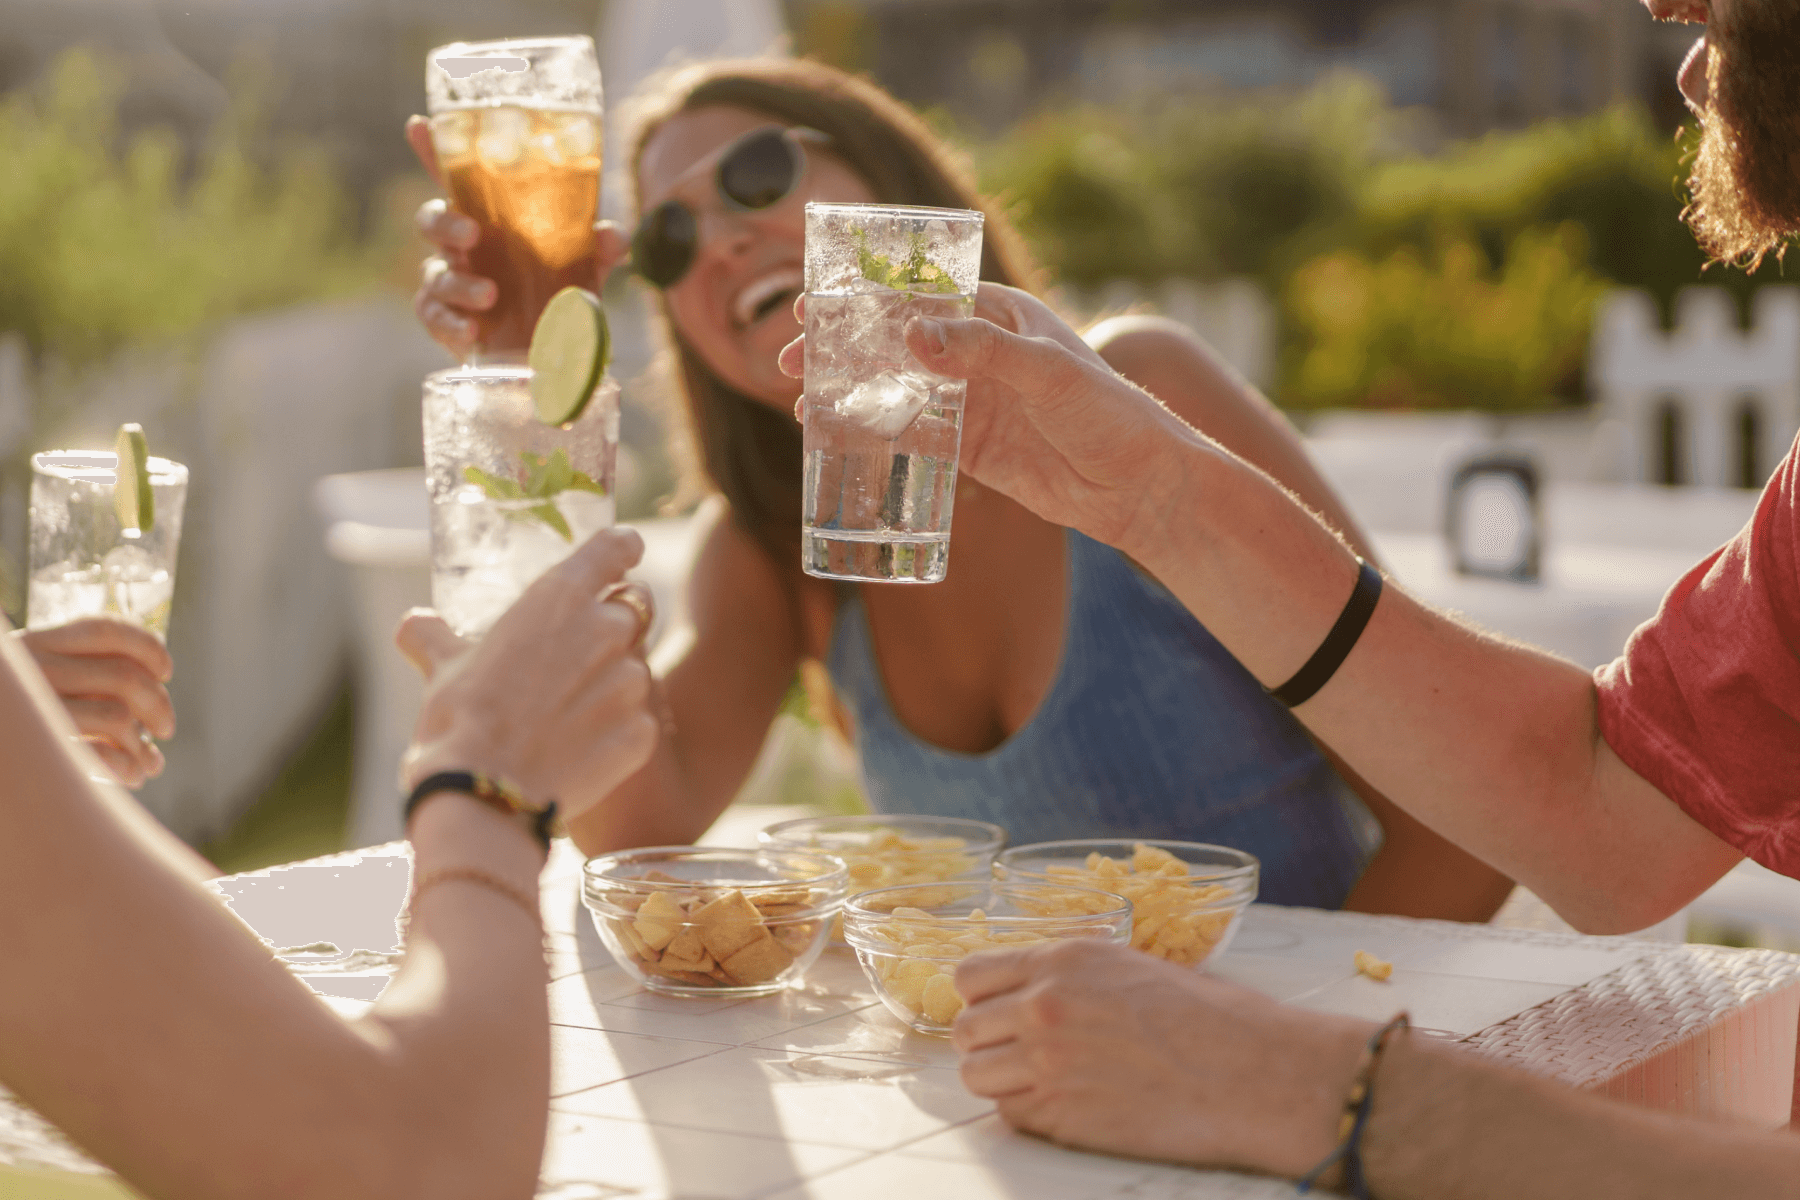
(1356,1116)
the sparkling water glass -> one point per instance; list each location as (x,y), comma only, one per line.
(881,431)
(510,496)
(517,129)
(83,562)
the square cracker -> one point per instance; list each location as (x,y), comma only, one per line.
(658,920)
(728,924)
(758,962)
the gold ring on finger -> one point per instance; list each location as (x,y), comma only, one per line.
(631,596)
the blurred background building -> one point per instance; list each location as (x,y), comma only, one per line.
(1475,64)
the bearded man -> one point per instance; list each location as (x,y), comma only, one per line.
(1616,796)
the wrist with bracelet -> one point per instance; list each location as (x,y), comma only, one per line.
(540,820)
(1354,1121)
(496,793)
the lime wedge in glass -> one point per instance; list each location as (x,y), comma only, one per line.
(569,350)
(133,500)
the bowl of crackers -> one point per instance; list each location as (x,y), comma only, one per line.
(895,849)
(910,939)
(702,921)
(1187,898)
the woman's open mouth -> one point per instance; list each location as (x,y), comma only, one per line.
(763,296)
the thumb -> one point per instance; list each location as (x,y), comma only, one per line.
(974,348)
(427,641)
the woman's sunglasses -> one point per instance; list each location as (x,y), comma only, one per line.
(758,171)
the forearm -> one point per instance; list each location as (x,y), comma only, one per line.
(1446,1127)
(197,1086)
(1417,873)
(1491,744)
(464,1026)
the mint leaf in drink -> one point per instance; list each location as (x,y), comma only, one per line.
(550,515)
(581,482)
(917,274)
(495,487)
(540,478)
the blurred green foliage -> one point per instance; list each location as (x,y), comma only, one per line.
(1405,279)
(1443,329)
(108,240)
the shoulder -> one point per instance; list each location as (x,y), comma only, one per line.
(1152,345)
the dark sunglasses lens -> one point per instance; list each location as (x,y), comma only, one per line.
(760,170)
(663,247)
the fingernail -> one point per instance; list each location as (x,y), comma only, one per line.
(489,293)
(933,329)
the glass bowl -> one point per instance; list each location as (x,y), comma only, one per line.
(1187,898)
(702,921)
(909,939)
(894,849)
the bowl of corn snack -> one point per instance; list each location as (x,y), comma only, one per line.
(1187,898)
(894,849)
(702,921)
(910,939)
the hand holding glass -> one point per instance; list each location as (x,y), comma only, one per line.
(517,129)
(881,431)
(84,562)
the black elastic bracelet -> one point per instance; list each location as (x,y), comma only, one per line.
(1337,644)
(489,791)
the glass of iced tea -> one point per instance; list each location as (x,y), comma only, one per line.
(517,128)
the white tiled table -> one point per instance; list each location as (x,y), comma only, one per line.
(818,1094)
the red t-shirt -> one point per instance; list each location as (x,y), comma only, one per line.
(1705,701)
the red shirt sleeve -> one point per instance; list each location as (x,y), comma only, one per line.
(1705,701)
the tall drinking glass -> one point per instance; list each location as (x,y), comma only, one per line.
(510,496)
(517,129)
(83,562)
(881,431)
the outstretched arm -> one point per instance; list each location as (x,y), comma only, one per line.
(1494,745)
(143,1019)
(1416,873)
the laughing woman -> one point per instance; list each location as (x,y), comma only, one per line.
(1048,685)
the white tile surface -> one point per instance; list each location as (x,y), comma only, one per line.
(1444,1003)
(650,1162)
(1276,977)
(819,1094)
(860,1103)
(581,1059)
(907,1176)
(871,1032)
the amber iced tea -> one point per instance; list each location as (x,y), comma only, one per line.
(531,179)
(516,125)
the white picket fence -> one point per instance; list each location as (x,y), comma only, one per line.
(1706,403)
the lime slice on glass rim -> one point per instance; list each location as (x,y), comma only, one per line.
(133,500)
(570,349)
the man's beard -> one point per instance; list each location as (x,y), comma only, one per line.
(1745,185)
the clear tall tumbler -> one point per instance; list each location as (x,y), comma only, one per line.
(84,563)
(881,431)
(510,496)
(517,129)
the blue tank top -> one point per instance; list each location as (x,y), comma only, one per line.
(1150,729)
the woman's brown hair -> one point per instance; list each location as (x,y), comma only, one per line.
(748,451)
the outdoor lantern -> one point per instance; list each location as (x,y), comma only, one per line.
(1493,521)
